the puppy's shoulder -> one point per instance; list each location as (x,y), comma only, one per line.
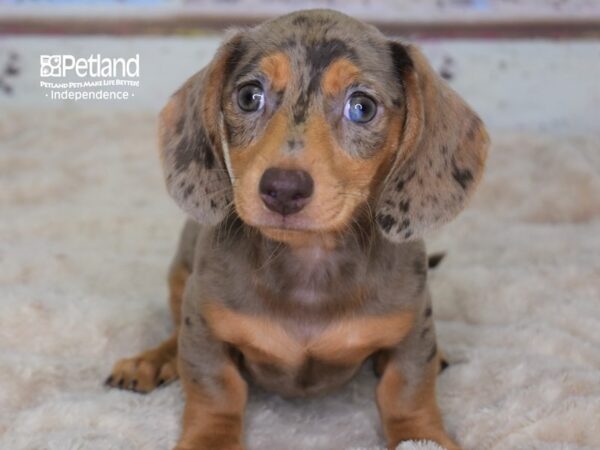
(394,256)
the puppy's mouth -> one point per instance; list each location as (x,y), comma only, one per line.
(274,221)
(296,230)
(275,225)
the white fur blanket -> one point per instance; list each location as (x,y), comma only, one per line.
(87,231)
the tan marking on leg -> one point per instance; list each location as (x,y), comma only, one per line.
(277,68)
(411,415)
(147,370)
(214,420)
(338,76)
(177,279)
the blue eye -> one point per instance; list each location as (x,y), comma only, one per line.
(251,97)
(360,108)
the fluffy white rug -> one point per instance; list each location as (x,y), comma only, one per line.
(87,232)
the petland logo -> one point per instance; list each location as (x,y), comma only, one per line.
(66,77)
(95,66)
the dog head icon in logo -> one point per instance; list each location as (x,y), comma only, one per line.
(50,66)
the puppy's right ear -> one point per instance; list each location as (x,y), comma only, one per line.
(441,157)
(190,139)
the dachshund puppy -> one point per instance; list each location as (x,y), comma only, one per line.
(311,154)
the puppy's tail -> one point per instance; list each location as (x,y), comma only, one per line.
(435,259)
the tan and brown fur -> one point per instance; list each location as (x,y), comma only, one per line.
(299,302)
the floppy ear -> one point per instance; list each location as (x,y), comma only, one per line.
(190,136)
(441,155)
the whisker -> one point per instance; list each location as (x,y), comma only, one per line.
(272,256)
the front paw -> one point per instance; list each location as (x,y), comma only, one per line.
(143,373)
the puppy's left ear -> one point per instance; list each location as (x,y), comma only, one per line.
(441,155)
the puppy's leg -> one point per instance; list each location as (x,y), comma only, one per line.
(406,391)
(156,366)
(214,389)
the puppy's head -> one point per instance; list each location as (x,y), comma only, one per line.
(302,120)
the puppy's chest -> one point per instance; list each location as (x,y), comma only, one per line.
(297,358)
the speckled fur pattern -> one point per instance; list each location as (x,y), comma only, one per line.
(301,319)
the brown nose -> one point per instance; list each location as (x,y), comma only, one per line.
(285,191)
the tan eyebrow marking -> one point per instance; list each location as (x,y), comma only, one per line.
(277,67)
(338,76)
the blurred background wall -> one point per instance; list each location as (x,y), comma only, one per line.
(507,57)
(491,18)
